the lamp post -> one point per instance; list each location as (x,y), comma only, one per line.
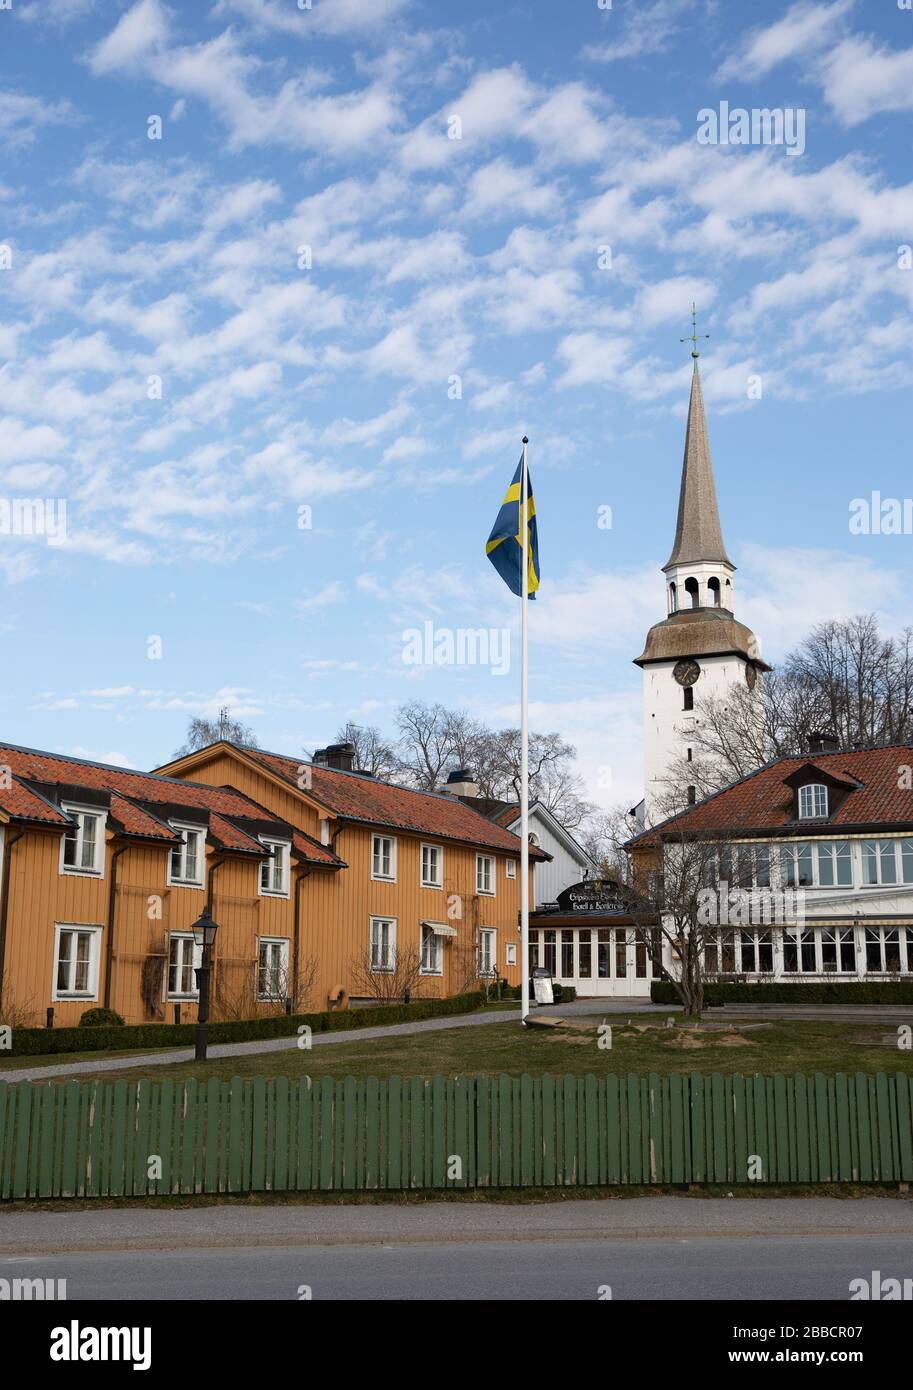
(204,934)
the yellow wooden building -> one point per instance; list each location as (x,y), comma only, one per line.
(325,883)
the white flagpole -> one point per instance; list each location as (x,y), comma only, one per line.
(524,738)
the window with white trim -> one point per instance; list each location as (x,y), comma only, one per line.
(383,858)
(186,860)
(184,958)
(796,866)
(488,950)
(510,868)
(510,953)
(274,871)
(82,851)
(799,953)
(879,861)
(76,957)
(432,866)
(835,864)
(432,962)
(838,951)
(882,950)
(383,944)
(812,801)
(272,968)
(485,874)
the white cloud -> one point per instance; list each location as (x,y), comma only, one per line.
(330,593)
(137,34)
(805,28)
(22,117)
(591,359)
(861,79)
(646,29)
(334,18)
(18,441)
(55,12)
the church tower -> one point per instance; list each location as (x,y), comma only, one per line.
(698,649)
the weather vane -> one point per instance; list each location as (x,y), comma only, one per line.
(694,335)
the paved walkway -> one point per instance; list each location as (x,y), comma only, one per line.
(584,1007)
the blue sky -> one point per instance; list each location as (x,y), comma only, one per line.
(284,387)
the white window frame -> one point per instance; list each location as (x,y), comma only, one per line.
(77,812)
(510,868)
(283,943)
(378,858)
(877,857)
(437,967)
(809,794)
(390,967)
(491,933)
(438,853)
(94,933)
(490,891)
(196,960)
(510,953)
(184,829)
(272,843)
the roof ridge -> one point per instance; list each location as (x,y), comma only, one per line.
(102,767)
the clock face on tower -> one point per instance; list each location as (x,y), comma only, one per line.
(686,672)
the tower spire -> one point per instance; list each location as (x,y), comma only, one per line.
(698,534)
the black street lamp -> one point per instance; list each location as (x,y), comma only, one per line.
(204,934)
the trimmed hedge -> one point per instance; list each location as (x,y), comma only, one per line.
(30,1042)
(802,992)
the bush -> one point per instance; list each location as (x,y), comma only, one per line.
(564,994)
(802,992)
(101,1018)
(110,1038)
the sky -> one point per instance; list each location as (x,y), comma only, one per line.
(268,370)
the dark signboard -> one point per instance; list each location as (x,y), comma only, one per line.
(594,895)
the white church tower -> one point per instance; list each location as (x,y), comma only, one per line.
(698,649)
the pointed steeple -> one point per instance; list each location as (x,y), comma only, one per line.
(698,535)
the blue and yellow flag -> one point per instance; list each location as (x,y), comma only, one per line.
(505,544)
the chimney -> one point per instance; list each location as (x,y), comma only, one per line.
(337,755)
(819,742)
(460,783)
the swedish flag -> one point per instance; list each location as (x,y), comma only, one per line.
(505,544)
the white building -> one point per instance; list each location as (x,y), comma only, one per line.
(698,649)
(812,868)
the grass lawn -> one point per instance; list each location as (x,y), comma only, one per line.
(647,1046)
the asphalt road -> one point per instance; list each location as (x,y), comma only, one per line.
(640,1248)
(709,1268)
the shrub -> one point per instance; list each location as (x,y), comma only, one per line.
(101,1018)
(38,1041)
(802,992)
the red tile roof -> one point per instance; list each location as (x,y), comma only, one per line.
(133,794)
(357,797)
(133,820)
(763,802)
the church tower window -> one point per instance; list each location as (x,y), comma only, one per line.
(693,588)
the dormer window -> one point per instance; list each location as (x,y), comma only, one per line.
(812,801)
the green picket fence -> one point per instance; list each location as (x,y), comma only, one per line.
(114,1139)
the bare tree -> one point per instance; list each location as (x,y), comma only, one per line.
(425,744)
(552,779)
(670,905)
(604,836)
(202,732)
(389,985)
(373,753)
